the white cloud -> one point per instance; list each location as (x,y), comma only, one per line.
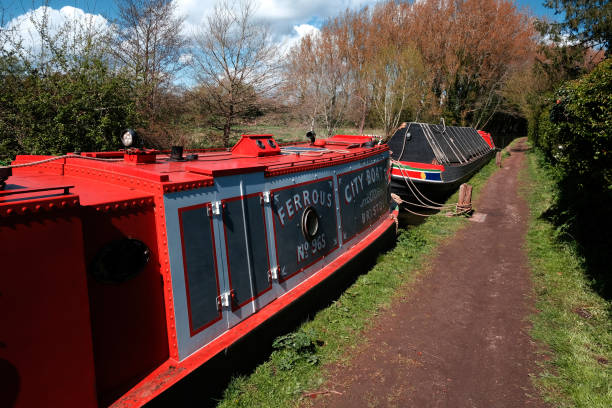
(186,58)
(299,32)
(562,40)
(285,17)
(305,29)
(195,13)
(289,20)
(67,23)
(283,14)
(287,13)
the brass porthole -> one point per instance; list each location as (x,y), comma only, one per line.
(310,223)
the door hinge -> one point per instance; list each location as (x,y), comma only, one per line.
(265,197)
(273,273)
(225,299)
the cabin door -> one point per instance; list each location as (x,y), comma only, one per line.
(248,262)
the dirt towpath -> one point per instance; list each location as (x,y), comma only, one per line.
(459,338)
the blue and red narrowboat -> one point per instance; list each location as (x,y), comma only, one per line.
(434,160)
(123,272)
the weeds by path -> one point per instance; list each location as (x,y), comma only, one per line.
(294,371)
(572,322)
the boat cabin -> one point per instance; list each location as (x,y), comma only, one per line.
(124,271)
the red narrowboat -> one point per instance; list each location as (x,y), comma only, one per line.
(123,272)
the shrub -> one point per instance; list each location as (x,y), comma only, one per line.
(81,109)
(577,133)
(573,131)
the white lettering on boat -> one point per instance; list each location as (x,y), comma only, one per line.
(298,202)
(372,212)
(355,187)
(372,196)
(289,206)
(309,249)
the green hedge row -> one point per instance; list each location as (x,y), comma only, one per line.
(83,109)
(574,132)
(577,133)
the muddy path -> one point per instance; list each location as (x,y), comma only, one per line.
(459,337)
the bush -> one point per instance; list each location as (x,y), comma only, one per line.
(82,109)
(573,131)
(577,133)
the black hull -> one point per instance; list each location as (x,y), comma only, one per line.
(452,177)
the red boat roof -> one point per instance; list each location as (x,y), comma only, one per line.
(101,178)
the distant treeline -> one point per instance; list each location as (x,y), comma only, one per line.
(480,63)
(81,83)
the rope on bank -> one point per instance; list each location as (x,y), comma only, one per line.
(461,208)
(401,201)
(464,206)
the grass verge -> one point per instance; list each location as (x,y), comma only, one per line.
(573,322)
(296,365)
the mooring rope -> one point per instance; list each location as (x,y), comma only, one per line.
(316,153)
(459,209)
(400,201)
(415,191)
(65,156)
(404,142)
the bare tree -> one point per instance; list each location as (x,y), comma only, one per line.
(6,34)
(149,44)
(398,79)
(472,47)
(234,61)
(302,80)
(359,47)
(318,75)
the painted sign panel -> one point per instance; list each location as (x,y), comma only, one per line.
(299,243)
(364,197)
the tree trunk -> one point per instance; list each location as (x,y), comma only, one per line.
(228,126)
(364,111)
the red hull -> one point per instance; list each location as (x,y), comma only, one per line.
(94,319)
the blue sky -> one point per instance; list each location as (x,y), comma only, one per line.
(292,12)
(289,20)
